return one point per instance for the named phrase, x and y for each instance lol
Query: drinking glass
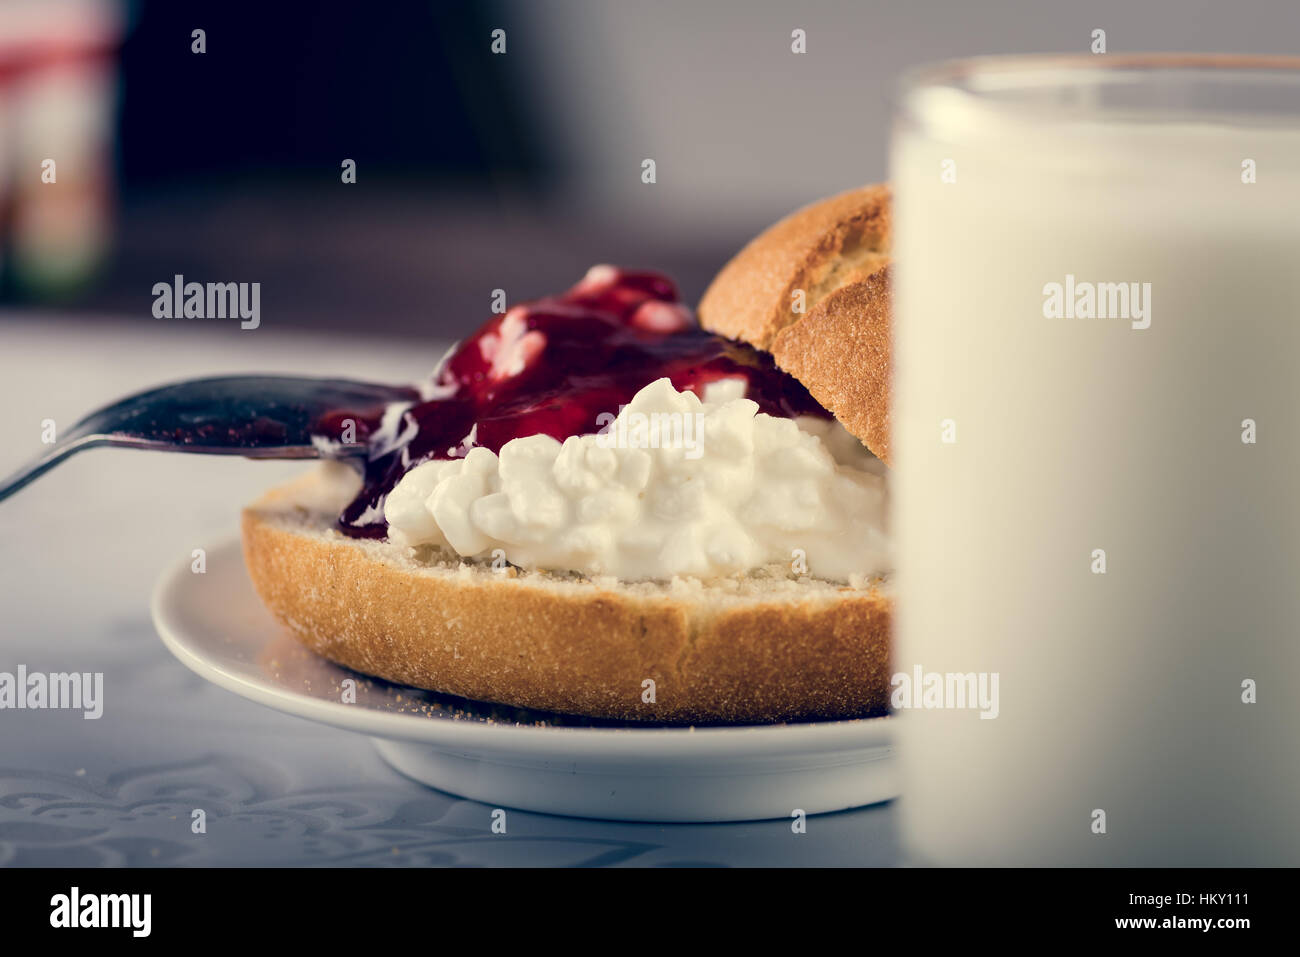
(1097, 435)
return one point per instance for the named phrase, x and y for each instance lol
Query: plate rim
(809, 738)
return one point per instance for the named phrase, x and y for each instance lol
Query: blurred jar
(57, 100)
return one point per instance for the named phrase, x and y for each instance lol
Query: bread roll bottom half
(762, 648)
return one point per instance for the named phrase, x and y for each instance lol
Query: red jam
(552, 367)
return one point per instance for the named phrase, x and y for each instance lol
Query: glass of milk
(1097, 435)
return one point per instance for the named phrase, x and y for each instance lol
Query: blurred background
(475, 170)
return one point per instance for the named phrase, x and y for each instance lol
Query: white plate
(215, 624)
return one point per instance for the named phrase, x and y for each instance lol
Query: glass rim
(976, 82)
(948, 72)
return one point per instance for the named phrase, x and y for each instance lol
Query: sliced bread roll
(814, 290)
(762, 648)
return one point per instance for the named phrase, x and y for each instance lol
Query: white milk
(1119, 692)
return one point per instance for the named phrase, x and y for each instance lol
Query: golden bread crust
(841, 351)
(813, 250)
(839, 346)
(572, 646)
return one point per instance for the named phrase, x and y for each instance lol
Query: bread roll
(814, 291)
(761, 649)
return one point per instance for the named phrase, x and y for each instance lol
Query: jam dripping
(552, 367)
